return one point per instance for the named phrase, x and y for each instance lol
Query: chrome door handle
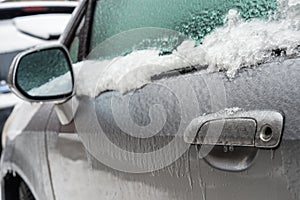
(262, 129)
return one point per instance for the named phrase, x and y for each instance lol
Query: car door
(143, 129)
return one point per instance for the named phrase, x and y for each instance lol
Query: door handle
(258, 128)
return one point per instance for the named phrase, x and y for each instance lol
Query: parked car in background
(24, 25)
(159, 99)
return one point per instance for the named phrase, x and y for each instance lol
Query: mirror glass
(45, 73)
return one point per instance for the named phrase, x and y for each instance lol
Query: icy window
(193, 19)
(133, 41)
(75, 44)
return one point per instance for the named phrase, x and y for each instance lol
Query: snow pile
(243, 44)
(42, 26)
(125, 73)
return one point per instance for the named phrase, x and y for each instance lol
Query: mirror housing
(42, 74)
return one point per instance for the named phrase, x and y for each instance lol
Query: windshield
(172, 21)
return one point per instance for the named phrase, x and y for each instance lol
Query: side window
(129, 25)
(75, 44)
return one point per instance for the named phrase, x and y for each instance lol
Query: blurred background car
(24, 25)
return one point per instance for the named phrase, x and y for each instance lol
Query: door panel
(87, 165)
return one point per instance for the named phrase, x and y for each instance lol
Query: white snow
(243, 44)
(231, 111)
(125, 73)
(57, 86)
(42, 26)
(238, 44)
(13, 40)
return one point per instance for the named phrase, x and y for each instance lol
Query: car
(24, 25)
(159, 100)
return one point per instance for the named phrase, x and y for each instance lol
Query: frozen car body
(182, 180)
(55, 163)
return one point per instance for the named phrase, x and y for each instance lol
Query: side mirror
(42, 74)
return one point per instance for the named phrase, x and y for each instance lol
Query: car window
(75, 44)
(191, 19)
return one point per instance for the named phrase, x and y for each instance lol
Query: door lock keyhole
(266, 133)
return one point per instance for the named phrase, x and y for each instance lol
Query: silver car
(159, 100)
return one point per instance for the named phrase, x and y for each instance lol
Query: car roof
(44, 26)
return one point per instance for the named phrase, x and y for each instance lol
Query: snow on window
(239, 43)
(193, 18)
(57, 86)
